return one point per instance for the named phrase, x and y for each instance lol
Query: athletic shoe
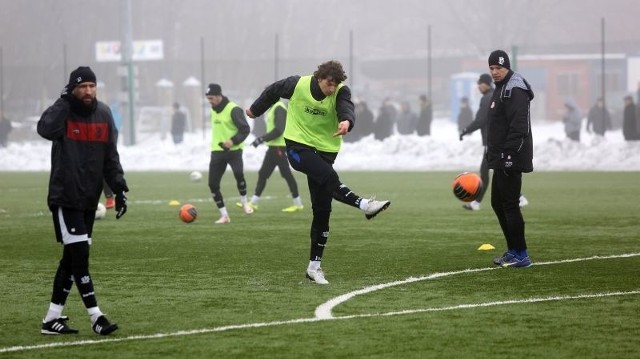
(223, 220)
(316, 276)
(514, 262)
(374, 207)
(254, 207)
(472, 206)
(103, 327)
(110, 203)
(57, 326)
(523, 201)
(293, 208)
(505, 257)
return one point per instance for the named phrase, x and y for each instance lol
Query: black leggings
(217, 167)
(276, 156)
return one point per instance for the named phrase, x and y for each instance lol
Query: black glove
(507, 160)
(463, 133)
(221, 144)
(121, 204)
(66, 92)
(257, 142)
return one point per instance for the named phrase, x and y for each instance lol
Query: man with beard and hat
(83, 154)
(509, 154)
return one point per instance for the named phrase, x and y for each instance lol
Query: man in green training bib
(320, 113)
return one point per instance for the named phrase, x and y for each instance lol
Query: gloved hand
(121, 204)
(257, 142)
(463, 133)
(507, 160)
(66, 92)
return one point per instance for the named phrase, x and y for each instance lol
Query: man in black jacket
(480, 122)
(509, 154)
(83, 154)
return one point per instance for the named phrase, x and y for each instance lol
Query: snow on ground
(441, 151)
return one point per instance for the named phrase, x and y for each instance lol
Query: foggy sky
(36, 33)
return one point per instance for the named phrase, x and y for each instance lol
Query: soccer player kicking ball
(320, 113)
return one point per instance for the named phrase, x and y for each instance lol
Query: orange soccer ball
(467, 186)
(188, 213)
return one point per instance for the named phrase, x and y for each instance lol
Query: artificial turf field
(201, 290)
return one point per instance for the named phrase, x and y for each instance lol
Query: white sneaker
(316, 276)
(523, 201)
(223, 220)
(247, 208)
(374, 207)
(472, 206)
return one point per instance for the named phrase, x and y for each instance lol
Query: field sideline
(193, 290)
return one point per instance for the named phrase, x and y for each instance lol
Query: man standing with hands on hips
(509, 154)
(83, 154)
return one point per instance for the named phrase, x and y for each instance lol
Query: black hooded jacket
(509, 124)
(83, 153)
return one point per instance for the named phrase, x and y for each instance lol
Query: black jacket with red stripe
(83, 153)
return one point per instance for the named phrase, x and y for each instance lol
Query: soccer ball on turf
(467, 186)
(195, 176)
(188, 213)
(101, 211)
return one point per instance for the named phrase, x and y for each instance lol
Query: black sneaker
(57, 326)
(103, 327)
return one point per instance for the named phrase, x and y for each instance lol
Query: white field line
(316, 319)
(324, 310)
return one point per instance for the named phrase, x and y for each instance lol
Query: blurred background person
(465, 116)
(385, 120)
(425, 118)
(630, 123)
(599, 118)
(407, 120)
(364, 127)
(5, 128)
(178, 124)
(572, 120)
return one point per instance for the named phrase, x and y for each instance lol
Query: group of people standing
(599, 120)
(389, 120)
(320, 112)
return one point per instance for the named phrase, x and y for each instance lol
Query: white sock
(297, 201)
(223, 212)
(314, 265)
(94, 313)
(55, 311)
(255, 199)
(364, 203)
(243, 200)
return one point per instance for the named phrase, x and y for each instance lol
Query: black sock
(345, 195)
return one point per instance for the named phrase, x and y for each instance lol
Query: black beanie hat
(80, 75)
(485, 79)
(500, 58)
(214, 90)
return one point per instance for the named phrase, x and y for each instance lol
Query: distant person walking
(509, 154)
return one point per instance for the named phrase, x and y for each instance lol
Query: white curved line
(324, 310)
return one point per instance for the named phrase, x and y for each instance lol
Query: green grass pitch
(193, 290)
